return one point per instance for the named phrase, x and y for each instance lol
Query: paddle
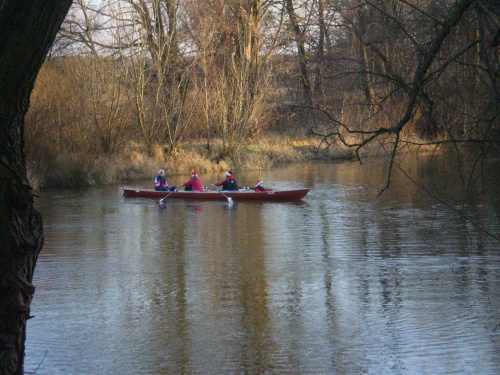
(229, 199)
(168, 195)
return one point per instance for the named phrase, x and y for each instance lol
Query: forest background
(134, 86)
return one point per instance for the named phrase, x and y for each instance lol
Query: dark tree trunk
(299, 39)
(27, 30)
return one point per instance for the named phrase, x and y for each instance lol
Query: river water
(344, 282)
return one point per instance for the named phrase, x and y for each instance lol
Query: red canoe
(241, 195)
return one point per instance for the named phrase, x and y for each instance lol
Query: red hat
(259, 182)
(194, 174)
(229, 173)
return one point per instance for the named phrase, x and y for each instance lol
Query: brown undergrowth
(132, 163)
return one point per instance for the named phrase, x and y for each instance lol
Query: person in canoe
(194, 184)
(229, 183)
(161, 183)
(260, 186)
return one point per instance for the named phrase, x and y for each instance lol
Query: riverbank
(131, 163)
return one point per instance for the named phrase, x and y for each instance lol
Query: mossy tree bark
(27, 30)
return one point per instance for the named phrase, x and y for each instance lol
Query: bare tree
(312, 27)
(164, 70)
(101, 82)
(420, 84)
(299, 35)
(233, 64)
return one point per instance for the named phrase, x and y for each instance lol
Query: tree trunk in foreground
(27, 30)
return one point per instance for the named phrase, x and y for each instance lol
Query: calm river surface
(340, 283)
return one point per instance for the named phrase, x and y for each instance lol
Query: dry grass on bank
(85, 169)
(67, 170)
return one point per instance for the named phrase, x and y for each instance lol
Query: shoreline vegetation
(132, 163)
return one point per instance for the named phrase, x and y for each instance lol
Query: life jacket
(160, 182)
(230, 184)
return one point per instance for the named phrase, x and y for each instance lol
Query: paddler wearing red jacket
(194, 184)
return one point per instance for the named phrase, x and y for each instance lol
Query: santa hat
(229, 173)
(259, 182)
(194, 174)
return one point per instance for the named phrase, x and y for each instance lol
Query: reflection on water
(342, 282)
